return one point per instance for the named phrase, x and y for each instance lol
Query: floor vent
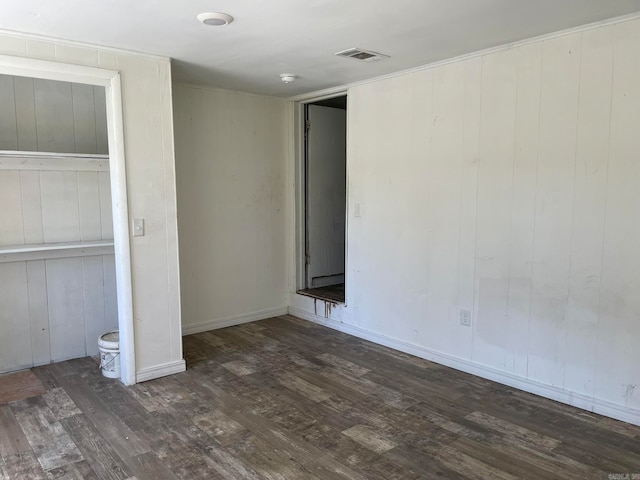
(362, 55)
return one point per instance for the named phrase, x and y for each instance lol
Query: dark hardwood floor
(287, 399)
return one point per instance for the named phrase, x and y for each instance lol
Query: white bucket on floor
(109, 346)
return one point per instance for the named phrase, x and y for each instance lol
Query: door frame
(300, 146)
(110, 80)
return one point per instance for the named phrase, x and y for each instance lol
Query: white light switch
(356, 210)
(138, 227)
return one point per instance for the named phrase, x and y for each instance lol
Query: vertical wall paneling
(397, 169)
(31, 207)
(93, 302)
(106, 217)
(495, 177)
(38, 312)
(418, 190)
(8, 129)
(89, 206)
(25, 114)
(54, 116)
(15, 349)
(102, 141)
(51, 116)
(360, 196)
(589, 200)
(523, 202)
(152, 202)
(60, 209)
(84, 118)
(619, 328)
(468, 195)
(11, 226)
(70, 300)
(559, 96)
(66, 308)
(443, 203)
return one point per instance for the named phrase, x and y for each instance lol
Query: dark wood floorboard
(287, 399)
(19, 385)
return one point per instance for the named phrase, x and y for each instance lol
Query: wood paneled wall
(55, 309)
(54, 206)
(506, 184)
(54, 301)
(49, 116)
(150, 171)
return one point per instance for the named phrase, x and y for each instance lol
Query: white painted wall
(508, 184)
(231, 164)
(41, 115)
(148, 131)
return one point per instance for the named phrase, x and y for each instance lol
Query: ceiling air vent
(364, 55)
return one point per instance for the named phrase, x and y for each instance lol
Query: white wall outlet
(465, 317)
(138, 227)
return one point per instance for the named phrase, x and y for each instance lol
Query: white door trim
(110, 79)
(298, 149)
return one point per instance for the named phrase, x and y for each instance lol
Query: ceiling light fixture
(215, 19)
(288, 77)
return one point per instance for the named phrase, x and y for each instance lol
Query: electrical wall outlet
(465, 317)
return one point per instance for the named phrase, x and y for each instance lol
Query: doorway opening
(325, 171)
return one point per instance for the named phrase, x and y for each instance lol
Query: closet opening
(64, 240)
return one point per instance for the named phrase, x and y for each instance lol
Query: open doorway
(325, 155)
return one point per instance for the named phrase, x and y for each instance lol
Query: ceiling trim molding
(51, 70)
(333, 91)
(75, 43)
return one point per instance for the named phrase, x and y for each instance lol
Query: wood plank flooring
(19, 385)
(287, 399)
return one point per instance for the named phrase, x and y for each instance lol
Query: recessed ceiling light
(215, 19)
(288, 77)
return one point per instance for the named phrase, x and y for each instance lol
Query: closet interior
(57, 267)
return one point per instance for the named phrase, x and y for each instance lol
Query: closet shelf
(44, 251)
(17, 160)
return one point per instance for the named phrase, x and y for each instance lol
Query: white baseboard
(602, 407)
(158, 371)
(233, 320)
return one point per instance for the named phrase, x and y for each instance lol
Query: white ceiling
(269, 37)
